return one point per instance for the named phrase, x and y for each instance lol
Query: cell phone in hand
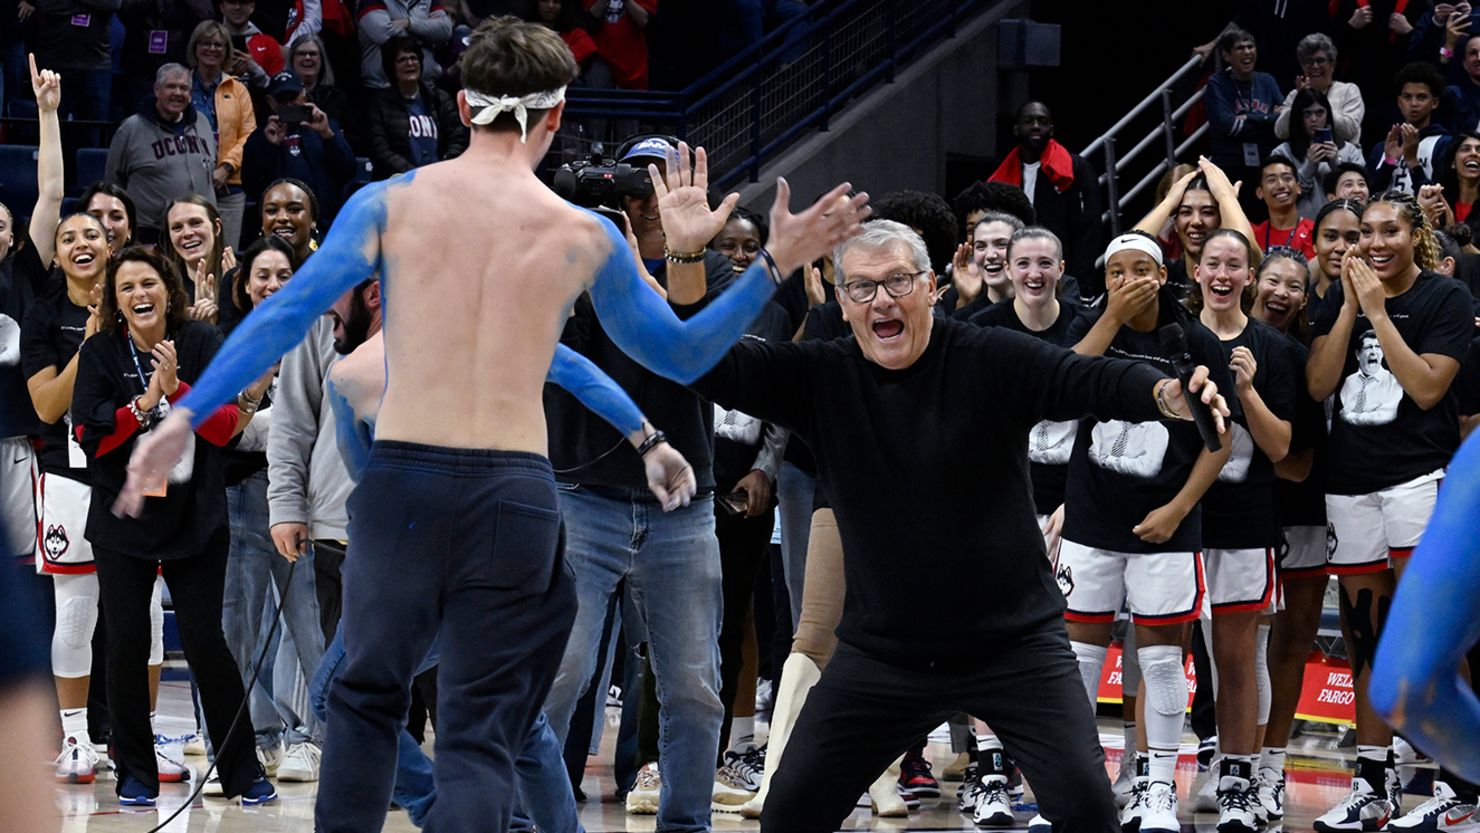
(618, 218)
(1322, 136)
(734, 503)
(295, 114)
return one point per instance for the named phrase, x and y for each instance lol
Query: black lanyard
(137, 366)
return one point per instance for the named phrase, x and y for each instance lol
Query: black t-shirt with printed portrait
(1380, 437)
(1049, 443)
(50, 336)
(1238, 511)
(1120, 471)
(1304, 503)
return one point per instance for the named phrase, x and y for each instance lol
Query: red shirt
(1299, 238)
(580, 43)
(623, 44)
(1462, 211)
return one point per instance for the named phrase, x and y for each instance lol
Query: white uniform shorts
(1364, 533)
(1304, 552)
(1163, 588)
(18, 496)
(1241, 581)
(61, 546)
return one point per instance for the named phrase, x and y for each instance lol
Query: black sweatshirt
(928, 472)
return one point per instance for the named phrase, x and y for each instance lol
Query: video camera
(599, 180)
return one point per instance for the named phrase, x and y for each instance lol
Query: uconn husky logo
(55, 542)
(1065, 577)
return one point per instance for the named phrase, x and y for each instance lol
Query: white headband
(495, 105)
(1139, 242)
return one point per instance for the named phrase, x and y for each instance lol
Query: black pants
(328, 559)
(864, 712)
(197, 584)
(464, 547)
(743, 544)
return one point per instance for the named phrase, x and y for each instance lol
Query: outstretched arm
(350, 254)
(1417, 687)
(647, 330)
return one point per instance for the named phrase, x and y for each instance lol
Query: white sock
(74, 725)
(1166, 706)
(1091, 660)
(1272, 757)
(1261, 673)
(742, 733)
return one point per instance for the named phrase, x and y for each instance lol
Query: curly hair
(1426, 254)
(928, 214)
(174, 311)
(993, 196)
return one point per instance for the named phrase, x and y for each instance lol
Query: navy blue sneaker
(260, 792)
(133, 793)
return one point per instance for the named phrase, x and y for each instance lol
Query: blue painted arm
(350, 254)
(1416, 686)
(594, 389)
(351, 434)
(646, 329)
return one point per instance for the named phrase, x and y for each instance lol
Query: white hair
(884, 234)
(164, 72)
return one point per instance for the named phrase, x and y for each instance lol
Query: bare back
(479, 270)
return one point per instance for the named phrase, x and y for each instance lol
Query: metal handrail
(1192, 63)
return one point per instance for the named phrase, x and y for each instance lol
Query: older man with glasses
(920, 428)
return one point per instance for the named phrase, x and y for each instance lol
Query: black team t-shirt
(1122, 470)
(50, 337)
(927, 469)
(1050, 442)
(1238, 511)
(1304, 503)
(1380, 437)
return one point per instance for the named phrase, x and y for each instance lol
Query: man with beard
(1064, 187)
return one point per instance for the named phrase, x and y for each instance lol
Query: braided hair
(1426, 254)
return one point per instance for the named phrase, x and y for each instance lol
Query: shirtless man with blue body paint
(455, 521)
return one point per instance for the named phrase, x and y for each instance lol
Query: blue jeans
(795, 491)
(672, 569)
(253, 570)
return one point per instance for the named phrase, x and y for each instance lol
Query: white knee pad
(156, 624)
(1261, 672)
(1166, 682)
(77, 617)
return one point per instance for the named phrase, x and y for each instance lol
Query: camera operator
(299, 141)
(673, 573)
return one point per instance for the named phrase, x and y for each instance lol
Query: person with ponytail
(1281, 294)
(1388, 344)
(1338, 230)
(1240, 532)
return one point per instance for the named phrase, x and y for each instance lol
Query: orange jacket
(235, 121)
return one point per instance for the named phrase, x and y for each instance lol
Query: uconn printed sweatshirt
(156, 161)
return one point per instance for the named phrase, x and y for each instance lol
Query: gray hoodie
(306, 479)
(157, 162)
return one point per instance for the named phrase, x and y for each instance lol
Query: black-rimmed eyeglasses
(897, 285)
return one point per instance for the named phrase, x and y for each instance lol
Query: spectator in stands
(1407, 158)
(300, 141)
(256, 56)
(197, 251)
(621, 39)
(564, 17)
(114, 208)
(1464, 96)
(163, 151)
(381, 20)
(1461, 181)
(1347, 181)
(290, 210)
(1317, 56)
(980, 274)
(308, 58)
(1199, 202)
(411, 123)
(1314, 148)
(1064, 188)
(1279, 188)
(1242, 105)
(1439, 37)
(227, 104)
(72, 39)
(1375, 37)
(155, 34)
(183, 531)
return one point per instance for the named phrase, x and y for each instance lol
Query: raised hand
(1367, 287)
(166, 367)
(1130, 298)
(1218, 183)
(1244, 367)
(966, 275)
(47, 86)
(683, 201)
(798, 239)
(815, 286)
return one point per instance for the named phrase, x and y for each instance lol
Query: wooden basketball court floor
(1319, 779)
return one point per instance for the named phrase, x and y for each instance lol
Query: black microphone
(1174, 342)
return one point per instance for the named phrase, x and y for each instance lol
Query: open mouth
(143, 309)
(1035, 284)
(285, 231)
(888, 329)
(1279, 308)
(1196, 236)
(191, 245)
(1472, 166)
(1281, 195)
(1380, 261)
(1221, 290)
(83, 259)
